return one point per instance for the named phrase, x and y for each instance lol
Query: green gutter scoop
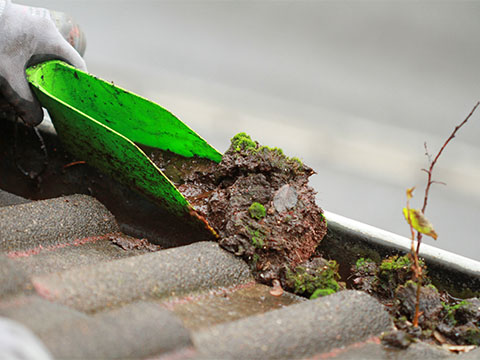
(100, 123)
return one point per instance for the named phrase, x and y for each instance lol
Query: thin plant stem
(432, 165)
(417, 298)
(417, 270)
(419, 241)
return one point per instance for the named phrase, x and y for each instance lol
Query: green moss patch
(243, 142)
(315, 280)
(257, 211)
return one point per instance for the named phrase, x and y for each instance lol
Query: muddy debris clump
(259, 202)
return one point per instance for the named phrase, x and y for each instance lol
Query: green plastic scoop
(99, 122)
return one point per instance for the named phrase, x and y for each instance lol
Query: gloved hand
(28, 36)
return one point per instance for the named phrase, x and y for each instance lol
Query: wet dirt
(259, 202)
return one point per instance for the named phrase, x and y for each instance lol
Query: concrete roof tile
(75, 253)
(199, 311)
(170, 272)
(134, 331)
(8, 199)
(12, 277)
(472, 355)
(52, 222)
(38, 314)
(297, 331)
(372, 349)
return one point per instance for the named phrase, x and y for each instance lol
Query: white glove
(19, 343)
(28, 36)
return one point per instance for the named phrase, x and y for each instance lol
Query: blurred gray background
(354, 88)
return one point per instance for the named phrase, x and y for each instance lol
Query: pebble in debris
(285, 198)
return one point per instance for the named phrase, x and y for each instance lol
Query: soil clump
(259, 202)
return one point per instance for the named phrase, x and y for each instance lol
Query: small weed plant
(417, 220)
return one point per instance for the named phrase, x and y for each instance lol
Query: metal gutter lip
(385, 239)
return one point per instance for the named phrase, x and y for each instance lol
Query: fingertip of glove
(31, 114)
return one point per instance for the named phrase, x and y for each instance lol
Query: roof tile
(74, 253)
(12, 277)
(52, 222)
(134, 331)
(38, 314)
(8, 199)
(297, 331)
(170, 272)
(372, 349)
(207, 309)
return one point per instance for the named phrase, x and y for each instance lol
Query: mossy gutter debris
(444, 319)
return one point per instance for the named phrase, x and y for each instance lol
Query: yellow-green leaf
(419, 222)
